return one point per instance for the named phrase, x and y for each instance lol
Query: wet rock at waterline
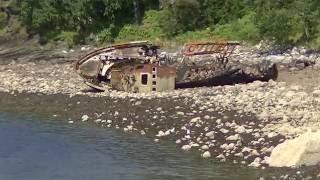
(303, 150)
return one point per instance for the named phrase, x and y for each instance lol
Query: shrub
(69, 37)
(194, 36)
(3, 20)
(105, 36)
(242, 29)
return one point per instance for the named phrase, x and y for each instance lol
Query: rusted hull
(198, 64)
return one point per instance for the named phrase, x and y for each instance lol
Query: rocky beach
(240, 124)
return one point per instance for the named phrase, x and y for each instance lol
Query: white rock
(206, 154)
(137, 103)
(142, 132)
(186, 147)
(70, 122)
(272, 134)
(240, 129)
(85, 118)
(130, 128)
(230, 146)
(194, 145)
(180, 113)
(221, 156)
(160, 134)
(224, 131)
(194, 120)
(109, 121)
(205, 147)
(254, 164)
(98, 120)
(233, 138)
(210, 134)
(303, 150)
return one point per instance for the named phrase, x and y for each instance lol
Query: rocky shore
(241, 124)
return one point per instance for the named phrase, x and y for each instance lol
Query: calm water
(33, 148)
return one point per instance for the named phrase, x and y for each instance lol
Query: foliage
(241, 29)
(3, 20)
(291, 22)
(70, 38)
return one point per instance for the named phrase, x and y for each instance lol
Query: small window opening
(154, 89)
(144, 79)
(154, 76)
(154, 82)
(154, 69)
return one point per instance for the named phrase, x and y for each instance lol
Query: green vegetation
(286, 23)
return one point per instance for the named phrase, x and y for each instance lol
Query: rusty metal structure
(197, 64)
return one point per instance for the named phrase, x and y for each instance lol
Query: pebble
(206, 154)
(194, 120)
(186, 147)
(205, 147)
(85, 118)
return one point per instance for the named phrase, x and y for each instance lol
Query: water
(33, 148)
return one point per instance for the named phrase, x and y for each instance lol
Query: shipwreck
(140, 66)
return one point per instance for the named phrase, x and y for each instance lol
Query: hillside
(285, 23)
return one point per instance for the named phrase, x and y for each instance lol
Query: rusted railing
(224, 49)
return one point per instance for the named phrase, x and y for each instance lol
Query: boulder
(303, 150)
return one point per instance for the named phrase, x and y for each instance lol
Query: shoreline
(240, 124)
(73, 109)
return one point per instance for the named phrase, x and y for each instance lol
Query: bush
(151, 24)
(194, 36)
(69, 37)
(3, 20)
(105, 36)
(242, 29)
(149, 30)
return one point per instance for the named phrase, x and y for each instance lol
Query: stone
(130, 128)
(221, 156)
(224, 131)
(160, 134)
(85, 118)
(186, 147)
(142, 132)
(303, 150)
(109, 121)
(195, 120)
(210, 134)
(240, 130)
(205, 147)
(137, 103)
(180, 113)
(233, 137)
(206, 154)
